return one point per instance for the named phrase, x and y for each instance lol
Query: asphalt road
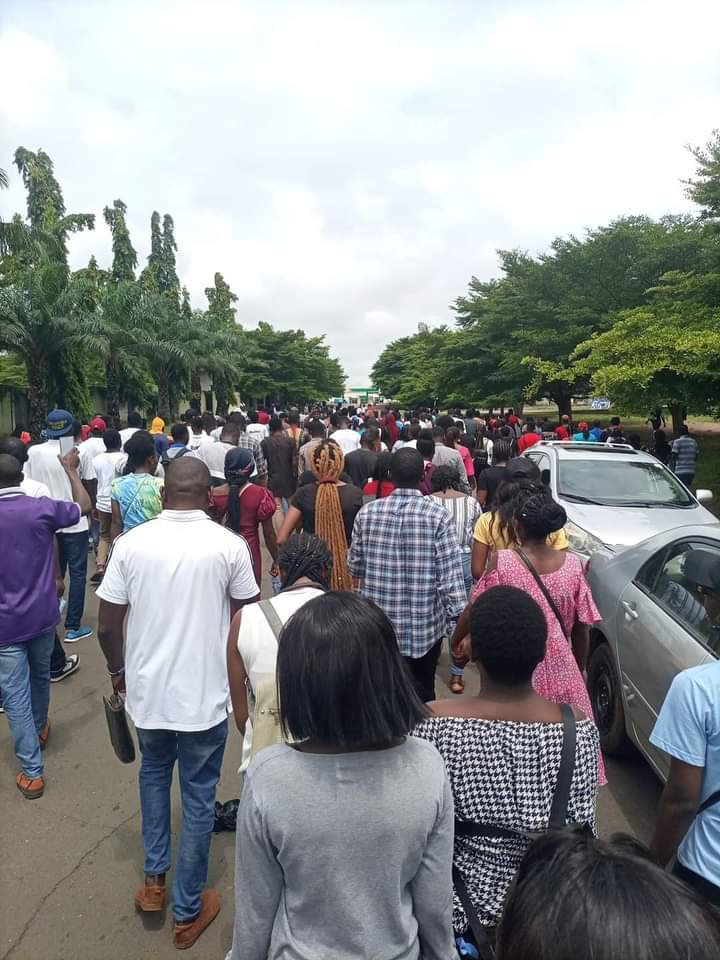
(70, 862)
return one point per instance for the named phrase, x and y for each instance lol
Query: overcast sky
(349, 166)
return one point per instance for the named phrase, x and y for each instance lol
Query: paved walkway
(72, 860)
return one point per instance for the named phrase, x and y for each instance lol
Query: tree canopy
(138, 337)
(580, 318)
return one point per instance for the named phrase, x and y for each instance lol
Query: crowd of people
(375, 820)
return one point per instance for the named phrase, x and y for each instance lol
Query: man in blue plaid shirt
(405, 554)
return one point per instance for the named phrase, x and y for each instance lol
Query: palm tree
(43, 314)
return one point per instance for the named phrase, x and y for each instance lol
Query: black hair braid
(305, 555)
(541, 516)
(511, 497)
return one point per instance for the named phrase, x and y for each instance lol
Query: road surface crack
(81, 861)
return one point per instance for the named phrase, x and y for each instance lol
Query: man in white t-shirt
(104, 466)
(256, 429)
(175, 672)
(347, 439)
(88, 450)
(43, 466)
(134, 424)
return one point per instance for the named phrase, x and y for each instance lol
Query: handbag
(557, 819)
(117, 721)
(545, 592)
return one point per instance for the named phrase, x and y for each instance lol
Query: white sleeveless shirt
(257, 646)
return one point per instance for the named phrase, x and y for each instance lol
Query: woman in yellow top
(496, 531)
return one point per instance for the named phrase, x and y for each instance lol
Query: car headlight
(581, 541)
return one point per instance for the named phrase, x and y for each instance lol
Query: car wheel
(606, 700)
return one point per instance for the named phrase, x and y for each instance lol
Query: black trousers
(57, 660)
(423, 671)
(704, 887)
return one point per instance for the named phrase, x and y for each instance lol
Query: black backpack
(165, 460)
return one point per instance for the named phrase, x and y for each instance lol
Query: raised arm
(70, 463)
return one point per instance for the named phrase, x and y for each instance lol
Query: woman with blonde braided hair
(326, 507)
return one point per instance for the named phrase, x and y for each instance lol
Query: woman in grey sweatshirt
(345, 839)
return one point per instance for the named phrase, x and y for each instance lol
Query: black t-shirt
(490, 480)
(351, 499)
(279, 452)
(359, 465)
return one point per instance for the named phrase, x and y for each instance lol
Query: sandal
(457, 684)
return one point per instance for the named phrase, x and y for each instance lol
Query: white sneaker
(72, 663)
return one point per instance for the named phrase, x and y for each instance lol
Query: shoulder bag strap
(710, 802)
(482, 940)
(271, 616)
(561, 798)
(544, 590)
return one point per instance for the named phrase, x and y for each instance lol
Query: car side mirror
(704, 496)
(545, 477)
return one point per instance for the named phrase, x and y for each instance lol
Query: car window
(621, 483)
(685, 580)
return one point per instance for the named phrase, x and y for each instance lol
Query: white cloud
(348, 167)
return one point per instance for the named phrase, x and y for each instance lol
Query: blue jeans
(199, 756)
(25, 685)
(456, 671)
(74, 555)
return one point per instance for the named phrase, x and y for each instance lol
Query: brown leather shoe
(185, 934)
(30, 787)
(150, 898)
(44, 735)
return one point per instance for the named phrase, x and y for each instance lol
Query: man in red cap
(88, 450)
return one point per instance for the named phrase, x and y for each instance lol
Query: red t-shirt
(528, 440)
(370, 489)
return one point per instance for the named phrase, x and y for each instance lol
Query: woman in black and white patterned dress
(502, 750)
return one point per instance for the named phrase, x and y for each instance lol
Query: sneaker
(72, 636)
(72, 663)
(185, 933)
(2, 705)
(97, 577)
(30, 787)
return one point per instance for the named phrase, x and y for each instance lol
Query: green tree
(704, 189)
(124, 255)
(42, 311)
(665, 353)
(221, 324)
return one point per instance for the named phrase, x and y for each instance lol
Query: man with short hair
(104, 467)
(213, 454)
(29, 610)
(134, 421)
(445, 456)
(255, 429)
(316, 429)
(685, 452)
(88, 450)
(347, 439)
(179, 446)
(359, 464)
(198, 435)
(169, 658)
(280, 454)
(43, 465)
(404, 555)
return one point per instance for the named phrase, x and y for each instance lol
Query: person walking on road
(29, 610)
(281, 457)
(166, 650)
(135, 496)
(355, 803)
(684, 455)
(44, 466)
(405, 556)
(104, 468)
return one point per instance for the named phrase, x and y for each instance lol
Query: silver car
(660, 604)
(653, 555)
